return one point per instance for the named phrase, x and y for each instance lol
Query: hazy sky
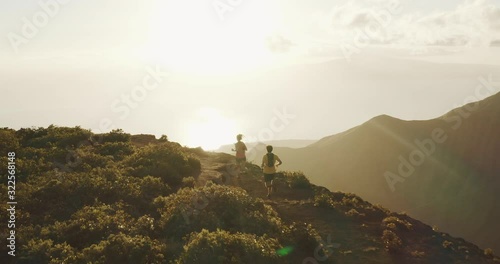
(232, 65)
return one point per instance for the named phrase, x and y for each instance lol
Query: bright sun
(189, 36)
(210, 130)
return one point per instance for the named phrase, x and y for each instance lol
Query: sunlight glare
(196, 40)
(210, 130)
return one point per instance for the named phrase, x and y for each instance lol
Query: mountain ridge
(360, 158)
(318, 203)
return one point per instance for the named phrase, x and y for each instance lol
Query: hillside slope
(351, 230)
(444, 171)
(117, 198)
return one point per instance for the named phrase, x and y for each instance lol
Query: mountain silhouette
(351, 225)
(444, 171)
(297, 143)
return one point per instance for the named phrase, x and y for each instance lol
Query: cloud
(371, 19)
(278, 44)
(359, 14)
(349, 15)
(495, 43)
(472, 23)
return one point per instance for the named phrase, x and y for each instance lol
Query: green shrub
(122, 248)
(8, 142)
(197, 151)
(145, 226)
(115, 136)
(228, 208)
(45, 251)
(167, 161)
(163, 138)
(42, 196)
(224, 247)
(391, 241)
(447, 244)
(350, 201)
(61, 137)
(194, 166)
(302, 237)
(90, 225)
(152, 187)
(296, 180)
(33, 164)
(84, 160)
(26, 135)
(118, 150)
(189, 182)
(391, 226)
(489, 253)
(402, 224)
(52, 154)
(323, 200)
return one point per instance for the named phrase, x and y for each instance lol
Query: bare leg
(269, 188)
(243, 167)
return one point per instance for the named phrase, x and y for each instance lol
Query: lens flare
(284, 251)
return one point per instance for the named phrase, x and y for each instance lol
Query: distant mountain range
(293, 143)
(444, 171)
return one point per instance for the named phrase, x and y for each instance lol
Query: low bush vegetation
(489, 253)
(228, 208)
(109, 198)
(91, 198)
(391, 241)
(393, 222)
(226, 247)
(296, 180)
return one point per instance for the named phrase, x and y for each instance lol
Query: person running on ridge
(269, 169)
(241, 158)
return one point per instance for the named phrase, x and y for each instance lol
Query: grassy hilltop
(118, 198)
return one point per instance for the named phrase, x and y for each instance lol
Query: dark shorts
(268, 177)
(244, 159)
